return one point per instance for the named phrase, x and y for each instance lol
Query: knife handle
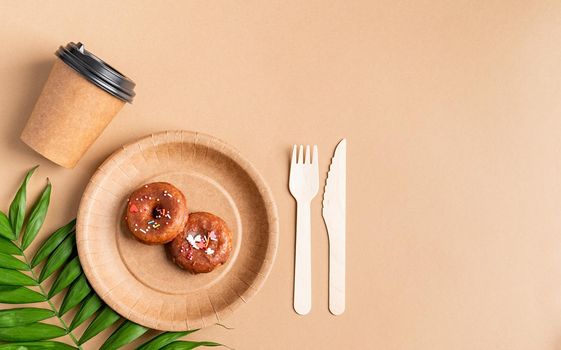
(303, 261)
(337, 275)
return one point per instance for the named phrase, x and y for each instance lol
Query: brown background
(452, 112)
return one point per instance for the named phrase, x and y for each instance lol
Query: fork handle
(303, 261)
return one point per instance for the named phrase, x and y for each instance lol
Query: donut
(204, 244)
(156, 213)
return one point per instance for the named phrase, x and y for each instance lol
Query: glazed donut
(156, 213)
(204, 244)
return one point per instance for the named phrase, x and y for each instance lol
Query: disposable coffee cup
(80, 98)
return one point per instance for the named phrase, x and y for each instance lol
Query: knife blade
(334, 215)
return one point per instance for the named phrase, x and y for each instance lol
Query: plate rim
(231, 152)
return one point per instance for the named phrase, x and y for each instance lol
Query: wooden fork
(303, 184)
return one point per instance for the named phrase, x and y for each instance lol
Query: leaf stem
(51, 305)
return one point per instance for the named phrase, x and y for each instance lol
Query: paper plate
(139, 281)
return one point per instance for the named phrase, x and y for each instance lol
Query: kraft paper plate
(139, 281)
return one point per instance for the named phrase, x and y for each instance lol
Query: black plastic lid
(97, 71)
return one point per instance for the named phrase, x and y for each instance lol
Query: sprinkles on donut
(156, 213)
(204, 244)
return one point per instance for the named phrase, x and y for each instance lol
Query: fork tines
(298, 155)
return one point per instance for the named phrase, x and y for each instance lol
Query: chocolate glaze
(156, 213)
(213, 248)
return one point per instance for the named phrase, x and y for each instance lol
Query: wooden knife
(334, 215)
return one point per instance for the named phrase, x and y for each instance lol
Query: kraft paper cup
(81, 96)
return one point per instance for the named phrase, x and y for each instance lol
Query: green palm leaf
(8, 247)
(17, 208)
(22, 316)
(105, 319)
(15, 278)
(20, 328)
(36, 218)
(125, 334)
(19, 295)
(70, 272)
(88, 308)
(59, 257)
(9, 262)
(31, 332)
(52, 243)
(163, 339)
(78, 292)
(6, 227)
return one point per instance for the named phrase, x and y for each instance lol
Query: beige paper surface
(451, 110)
